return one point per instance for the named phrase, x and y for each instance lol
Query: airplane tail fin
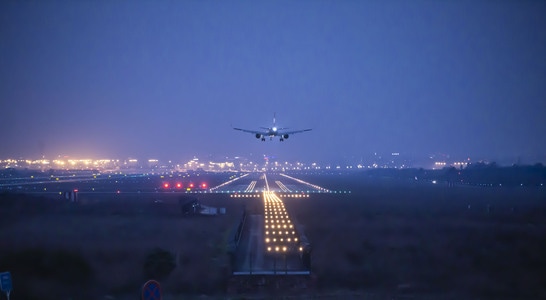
(275, 122)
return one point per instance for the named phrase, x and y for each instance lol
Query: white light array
(244, 196)
(279, 231)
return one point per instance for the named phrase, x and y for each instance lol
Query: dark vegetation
(111, 244)
(159, 264)
(414, 238)
(391, 236)
(482, 174)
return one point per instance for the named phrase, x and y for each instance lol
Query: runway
(270, 243)
(274, 182)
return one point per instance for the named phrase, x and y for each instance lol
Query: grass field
(408, 239)
(385, 238)
(109, 238)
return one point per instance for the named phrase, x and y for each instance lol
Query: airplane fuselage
(272, 132)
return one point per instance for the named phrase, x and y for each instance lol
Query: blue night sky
(168, 79)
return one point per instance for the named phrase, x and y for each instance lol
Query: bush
(159, 264)
(64, 266)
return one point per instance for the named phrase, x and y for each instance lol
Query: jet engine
(258, 136)
(285, 136)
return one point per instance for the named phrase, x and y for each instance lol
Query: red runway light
(178, 185)
(166, 185)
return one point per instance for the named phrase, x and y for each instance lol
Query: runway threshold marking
(251, 186)
(282, 187)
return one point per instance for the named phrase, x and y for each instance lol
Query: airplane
(272, 132)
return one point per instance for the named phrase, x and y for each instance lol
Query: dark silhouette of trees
(480, 173)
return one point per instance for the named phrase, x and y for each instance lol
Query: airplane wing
(264, 133)
(293, 131)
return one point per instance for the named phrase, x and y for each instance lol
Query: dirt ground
(384, 240)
